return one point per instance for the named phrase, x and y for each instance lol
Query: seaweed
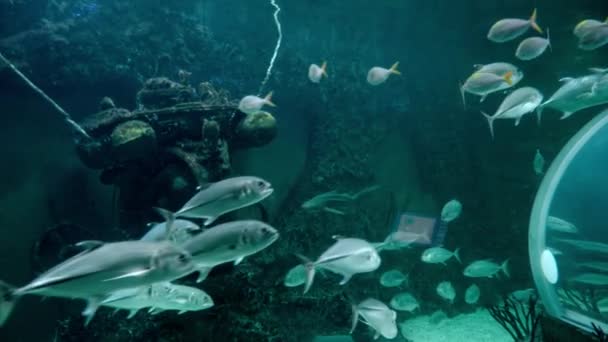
(521, 320)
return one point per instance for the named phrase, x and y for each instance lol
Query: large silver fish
(346, 257)
(230, 194)
(378, 316)
(228, 242)
(517, 104)
(579, 93)
(159, 297)
(101, 269)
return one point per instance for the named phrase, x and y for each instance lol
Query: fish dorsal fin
(477, 66)
(90, 244)
(566, 79)
(339, 237)
(203, 186)
(355, 318)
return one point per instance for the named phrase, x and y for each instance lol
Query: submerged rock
(256, 129)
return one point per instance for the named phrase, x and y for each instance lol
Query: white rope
(68, 119)
(276, 49)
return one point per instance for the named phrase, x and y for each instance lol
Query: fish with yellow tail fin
(378, 75)
(252, 104)
(586, 25)
(315, 72)
(485, 83)
(505, 30)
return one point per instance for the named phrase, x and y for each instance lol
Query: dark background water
(411, 135)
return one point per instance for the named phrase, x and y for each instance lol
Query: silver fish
(585, 245)
(486, 268)
(585, 25)
(101, 269)
(451, 210)
(446, 291)
(252, 104)
(539, 163)
(439, 255)
(228, 242)
(484, 83)
(379, 75)
(505, 30)
(557, 224)
(181, 230)
(594, 38)
(404, 301)
(579, 93)
(532, 47)
(393, 278)
(595, 279)
(322, 201)
(296, 276)
(378, 316)
(346, 257)
(225, 196)
(471, 295)
(159, 297)
(315, 72)
(517, 104)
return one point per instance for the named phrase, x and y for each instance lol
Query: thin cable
(82, 134)
(276, 48)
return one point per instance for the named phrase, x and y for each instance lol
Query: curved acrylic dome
(568, 237)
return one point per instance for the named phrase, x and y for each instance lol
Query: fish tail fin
(355, 318)
(365, 191)
(324, 69)
(461, 88)
(394, 70)
(169, 218)
(268, 100)
(490, 123)
(310, 272)
(508, 77)
(505, 268)
(7, 301)
(457, 255)
(533, 22)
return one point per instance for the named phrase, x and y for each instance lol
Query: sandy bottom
(478, 326)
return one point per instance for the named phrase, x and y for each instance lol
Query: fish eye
(261, 184)
(183, 258)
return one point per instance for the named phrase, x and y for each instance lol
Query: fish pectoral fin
(209, 220)
(483, 98)
(517, 121)
(182, 311)
(90, 244)
(155, 311)
(91, 308)
(120, 295)
(203, 272)
(333, 211)
(355, 318)
(565, 115)
(586, 95)
(132, 313)
(345, 279)
(137, 273)
(238, 261)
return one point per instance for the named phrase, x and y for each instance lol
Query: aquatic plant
(519, 319)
